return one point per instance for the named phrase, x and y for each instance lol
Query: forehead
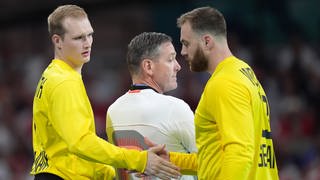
(167, 48)
(77, 25)
(186, 31)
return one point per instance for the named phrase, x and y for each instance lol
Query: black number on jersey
(40, 87)
(265, 100)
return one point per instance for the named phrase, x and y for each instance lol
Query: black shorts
(46, 176)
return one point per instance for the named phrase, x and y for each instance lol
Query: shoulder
(55, 78)
(226, 87)
(233, 72)
(56, 73)
(178, 106)
(175, 101)
(119, 102)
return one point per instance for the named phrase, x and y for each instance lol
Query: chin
(85, 60)
(173, 87)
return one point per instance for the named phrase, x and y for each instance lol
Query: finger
(167, 164)
(169, 169)
(159, 167)
(159, 149)
(163, 175)
(140, 175)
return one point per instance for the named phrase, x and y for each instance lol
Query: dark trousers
(46, 176)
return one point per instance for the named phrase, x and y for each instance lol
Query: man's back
(162, 119)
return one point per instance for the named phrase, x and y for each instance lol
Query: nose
(183, 51)
(87, 41)
(177, 66)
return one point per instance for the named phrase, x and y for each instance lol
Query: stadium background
(279, 39)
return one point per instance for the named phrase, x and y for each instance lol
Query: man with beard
(232, 124)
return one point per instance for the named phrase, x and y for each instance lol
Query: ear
(147, 66)
(56, 40)
(208, 41)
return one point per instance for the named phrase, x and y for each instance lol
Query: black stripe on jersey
(266, 134)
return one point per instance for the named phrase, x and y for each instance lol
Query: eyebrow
(183, 41)
(82, 35)
(173, 53)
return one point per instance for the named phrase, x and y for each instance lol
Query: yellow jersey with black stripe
(64, 138)
(233, 133)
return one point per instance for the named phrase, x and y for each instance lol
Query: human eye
(172, 57)
(90, 34)
(78, 37)
(172, 60)
(185, 43)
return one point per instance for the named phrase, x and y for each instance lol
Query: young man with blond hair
(65, 143)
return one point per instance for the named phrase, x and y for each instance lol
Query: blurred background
(279, 39)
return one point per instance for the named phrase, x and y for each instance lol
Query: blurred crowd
(288, 70)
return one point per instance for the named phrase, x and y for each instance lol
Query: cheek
(192, 52)
(170, 72)
(71, 47)
(163, 74)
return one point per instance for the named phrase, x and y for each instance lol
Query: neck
(74, 66)
(220, 54)
(149, 82)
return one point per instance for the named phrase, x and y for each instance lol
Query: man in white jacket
(163, 119)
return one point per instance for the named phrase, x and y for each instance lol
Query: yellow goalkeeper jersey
(64, 138)
(232, 124)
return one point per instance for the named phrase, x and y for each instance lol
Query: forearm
(186, 162)
(95, 149)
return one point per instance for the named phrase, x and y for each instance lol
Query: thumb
(160, 148)
(160, 151)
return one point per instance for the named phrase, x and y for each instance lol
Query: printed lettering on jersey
(40, 87)
(267, 156)
(265, 101)
(248, 72)
(40, 162)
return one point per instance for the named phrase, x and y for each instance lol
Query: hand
(159, 167)
(164, 154)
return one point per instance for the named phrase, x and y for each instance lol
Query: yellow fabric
(233, 132)
(64, 138)
(230, 119)
(186, 162)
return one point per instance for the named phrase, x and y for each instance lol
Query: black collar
(141, 86)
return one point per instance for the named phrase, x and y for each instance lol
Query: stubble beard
(199, 63)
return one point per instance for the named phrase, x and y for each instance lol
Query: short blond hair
(56, 18)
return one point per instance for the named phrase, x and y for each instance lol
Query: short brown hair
(205, 19)
(56, 18)
(144, 45)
